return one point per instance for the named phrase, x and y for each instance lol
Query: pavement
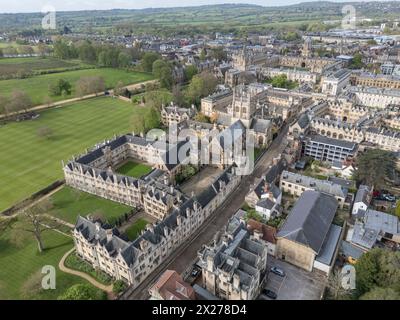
(297, 284)
(108, 289)
(186, 254)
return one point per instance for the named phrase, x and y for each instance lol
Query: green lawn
(134, 230)
(37, 87)
(133, 169)
(68, 204)
(29, 163)
(19, 264)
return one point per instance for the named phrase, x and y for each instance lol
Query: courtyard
(203, 179)
(134, 169)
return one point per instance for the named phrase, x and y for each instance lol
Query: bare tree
(33, 222)
(335, 285)
(90, 85)
(19, 101)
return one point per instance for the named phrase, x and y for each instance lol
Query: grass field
(37, 87)
(133, 169)
(69, 203)
(134, 230)
(13, 66)
(29, 163)
(18, 266)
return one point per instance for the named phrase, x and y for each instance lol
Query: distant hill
(226, 17)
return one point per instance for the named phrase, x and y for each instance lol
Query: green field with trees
(33, 160)
(21, 265)
(38, 90)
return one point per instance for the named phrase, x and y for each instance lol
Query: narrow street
(187, 252)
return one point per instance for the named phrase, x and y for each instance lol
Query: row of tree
(93, 53)
(18, 101)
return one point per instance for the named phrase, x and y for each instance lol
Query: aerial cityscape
(200, 151)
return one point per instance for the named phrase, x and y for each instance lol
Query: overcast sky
(71, 5)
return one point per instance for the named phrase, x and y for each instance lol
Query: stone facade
(133, 261)
(233, 267)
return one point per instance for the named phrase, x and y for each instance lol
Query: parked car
(270, 294)
(278, 271)
(195, 272)
(389, 197)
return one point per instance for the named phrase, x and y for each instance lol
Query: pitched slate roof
(310, 219)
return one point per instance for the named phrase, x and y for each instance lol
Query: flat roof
(326, 255)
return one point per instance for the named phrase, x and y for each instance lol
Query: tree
(201, 86)
(87, 52)
(124, 60)
(63, 50)
(45, 132)
(335, 285)
(381, 294)
(178, 96)
(3, 105)
(152, 119)
(378, 268)
(137, 124)
(374, 166)
(219, 54)
(356, 63)
(33, 222)
(148, 60)
(201, 117)
(166, 78)
(119, 88)
(155, 99)
(60, 87)
(19, 101)
(203, 54)
(190, 72)
(119, 286)
(90, 85)
(83, 292)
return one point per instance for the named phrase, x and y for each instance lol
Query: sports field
(38, 87)
(29, 162)
(133, 169)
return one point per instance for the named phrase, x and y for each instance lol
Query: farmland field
(37, 87)
(29, 162)
(10, 67)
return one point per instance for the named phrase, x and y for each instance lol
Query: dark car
(278, 271)
(195, 272)
(270, 294)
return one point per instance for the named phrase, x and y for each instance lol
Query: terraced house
(133, 261)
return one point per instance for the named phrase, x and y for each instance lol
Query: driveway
(298, 284)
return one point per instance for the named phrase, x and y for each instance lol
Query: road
(185, 255)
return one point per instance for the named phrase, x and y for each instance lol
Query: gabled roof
(309, 221)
